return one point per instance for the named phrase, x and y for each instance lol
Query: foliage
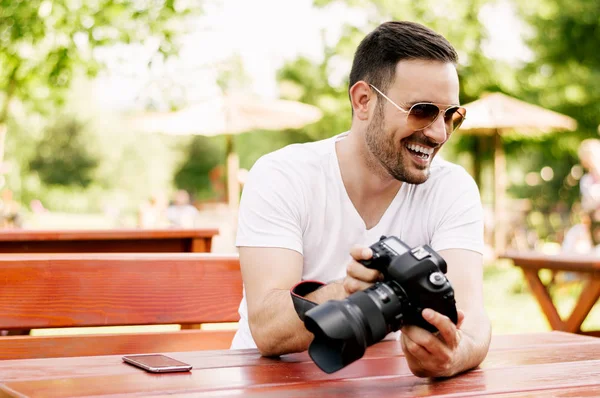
(45, 42)
(202, 155)
(564, 75)
(565, 72)
(314, 83)
(46, 45)
(64, 155)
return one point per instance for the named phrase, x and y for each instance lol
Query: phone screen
(156, 362)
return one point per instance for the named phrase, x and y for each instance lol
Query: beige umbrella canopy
(495, 114)
(227, 115)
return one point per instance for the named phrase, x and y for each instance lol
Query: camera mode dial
(437, 279)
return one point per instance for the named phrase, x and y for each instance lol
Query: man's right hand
(358, 277)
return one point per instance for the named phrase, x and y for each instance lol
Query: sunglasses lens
(422, 115)
(454, 118)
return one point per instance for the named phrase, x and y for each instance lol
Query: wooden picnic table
(532, 365)
(111, 240)
(586, 265)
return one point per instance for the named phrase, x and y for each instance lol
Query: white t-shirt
(294, 198)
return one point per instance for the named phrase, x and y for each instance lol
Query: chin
(415, 177)
(418, 180)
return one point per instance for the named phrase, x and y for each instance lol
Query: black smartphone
(157, 363)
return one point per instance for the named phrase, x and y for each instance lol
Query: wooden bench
(107, 241)
(586, 265)
(109, 289)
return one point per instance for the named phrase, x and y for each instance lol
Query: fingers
(359, 277)
(461, 318)
(361, 252)
(429, 342)
(447, 329)
(362, 273)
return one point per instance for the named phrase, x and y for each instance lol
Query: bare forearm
(276, 328)
(475, 341)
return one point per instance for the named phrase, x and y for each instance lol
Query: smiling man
(310, 211)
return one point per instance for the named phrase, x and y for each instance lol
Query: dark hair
(380, 51)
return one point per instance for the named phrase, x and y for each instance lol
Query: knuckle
(351, 285)
(350, 268)
(445, 357)
(373, 275)
(429, 339)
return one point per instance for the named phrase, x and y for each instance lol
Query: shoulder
(450, 178)
(295, 160)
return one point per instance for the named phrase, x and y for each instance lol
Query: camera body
(413, 279)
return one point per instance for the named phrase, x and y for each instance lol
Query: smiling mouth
(419, 151)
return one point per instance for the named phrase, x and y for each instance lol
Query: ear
(360, 96)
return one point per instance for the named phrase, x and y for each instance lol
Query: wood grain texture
(301, 363)
(570, 365)
(92, 290)
(114, 240)
(22, 347)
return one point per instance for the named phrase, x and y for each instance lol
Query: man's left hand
(433, 355)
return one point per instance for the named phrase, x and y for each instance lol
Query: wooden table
(587, 265)
(113, 240)
(532, 365)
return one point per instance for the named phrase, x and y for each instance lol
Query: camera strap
(301, 289)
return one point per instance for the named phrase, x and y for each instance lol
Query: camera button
(437, 278)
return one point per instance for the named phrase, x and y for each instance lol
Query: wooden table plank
(516, 364)
(389, 377)
(112, 240)
(32, 369)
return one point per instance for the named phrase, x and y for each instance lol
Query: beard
(396, 161)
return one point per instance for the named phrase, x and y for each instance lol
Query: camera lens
(344, 329)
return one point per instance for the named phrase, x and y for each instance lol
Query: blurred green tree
(63, 156)
(563, 75)
(202, 156)
(45, 43)
(318, 84)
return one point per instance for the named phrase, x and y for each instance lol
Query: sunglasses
(423, 114)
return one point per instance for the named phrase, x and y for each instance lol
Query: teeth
(419, 148)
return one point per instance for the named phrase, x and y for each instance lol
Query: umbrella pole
(233, 166)
(500, 227)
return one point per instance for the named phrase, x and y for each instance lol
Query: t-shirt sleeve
(270, 207)
(458, 214)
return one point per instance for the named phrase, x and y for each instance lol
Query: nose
(437, 130)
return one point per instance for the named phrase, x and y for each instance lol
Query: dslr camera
(413, 279)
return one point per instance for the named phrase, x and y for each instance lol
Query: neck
(363, 175)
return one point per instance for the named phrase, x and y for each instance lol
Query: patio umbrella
(227, 115)
(495, 114)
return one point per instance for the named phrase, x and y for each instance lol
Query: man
(307, 206)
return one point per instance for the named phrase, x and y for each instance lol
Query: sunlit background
(108, 108)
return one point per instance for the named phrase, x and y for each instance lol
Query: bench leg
(190, 326)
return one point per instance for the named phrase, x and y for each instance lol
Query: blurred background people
(152, 214)
(10, 211)
(589, 156)
(583, 236)
(181, 213)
